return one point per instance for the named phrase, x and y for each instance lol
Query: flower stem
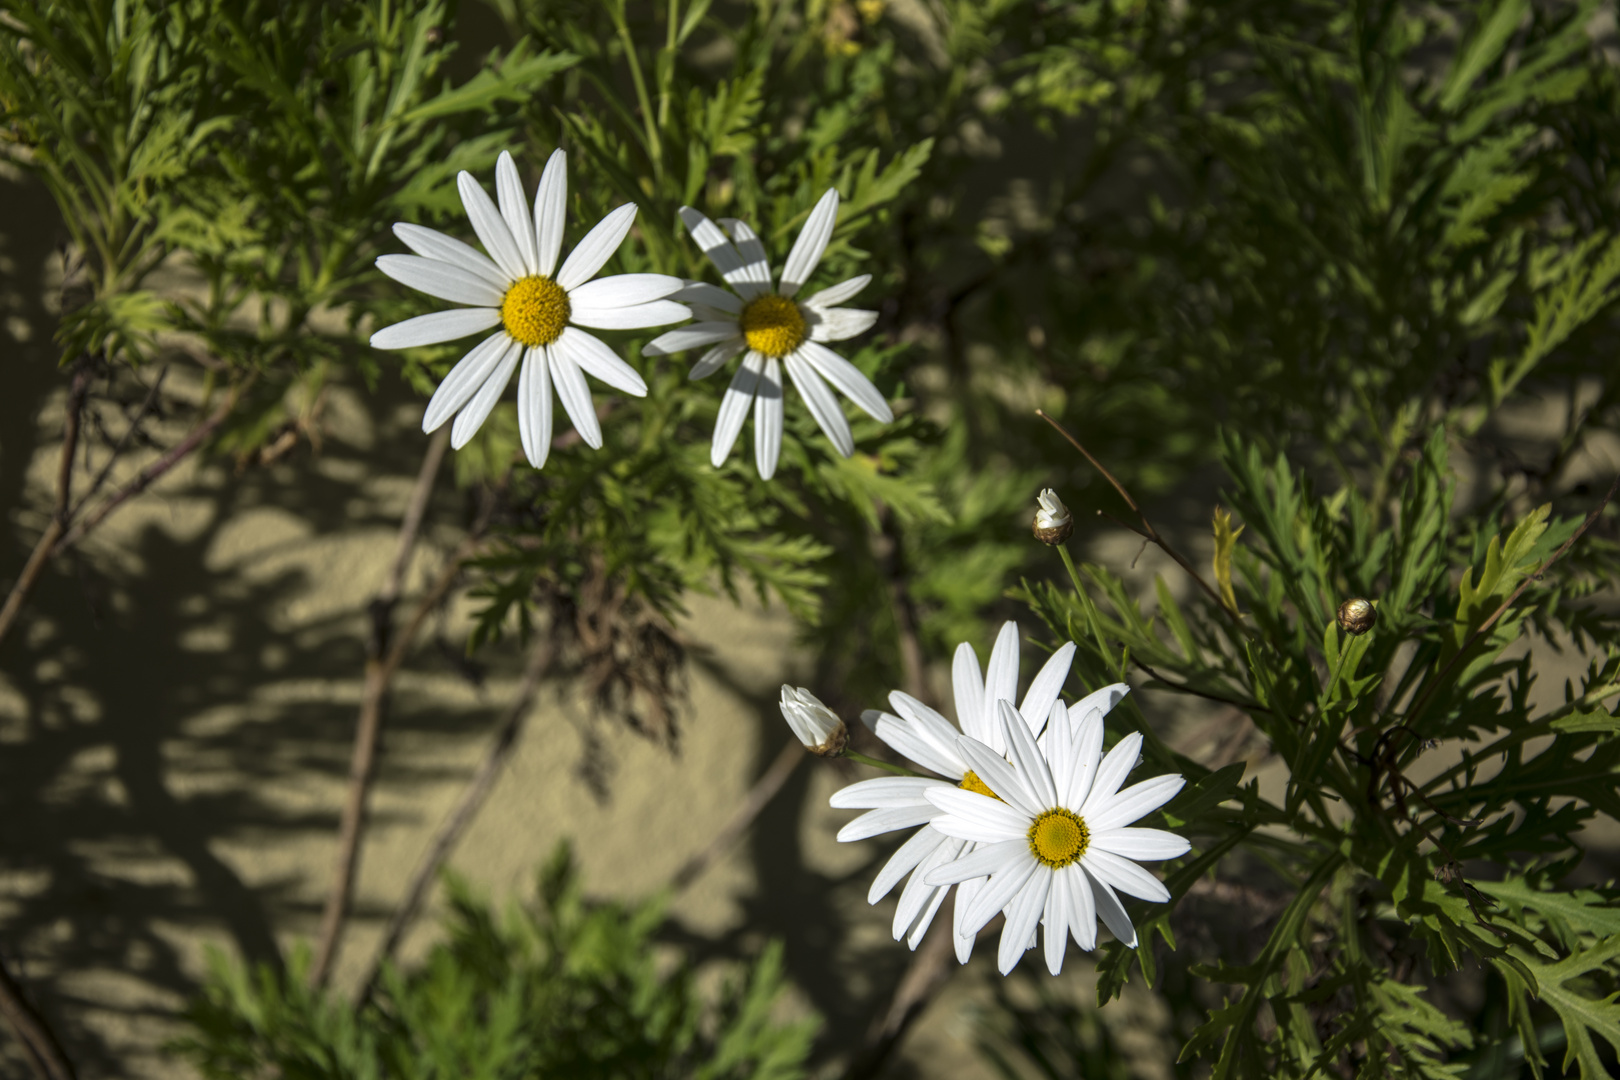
(898, 770)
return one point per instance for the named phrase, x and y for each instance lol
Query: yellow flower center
(971, 782)
(1058, 838)
(772, 325)
(535, 311)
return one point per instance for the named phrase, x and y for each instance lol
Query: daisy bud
(1357, 616)
(1053, 524)
(817, 726)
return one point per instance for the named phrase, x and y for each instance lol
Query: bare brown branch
(44, 1050)
(456, 823)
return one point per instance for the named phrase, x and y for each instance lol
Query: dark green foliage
(570, 988)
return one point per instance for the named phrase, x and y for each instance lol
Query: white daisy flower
(774, 331)
(929, 740)
(539, 313)
(1052, 838)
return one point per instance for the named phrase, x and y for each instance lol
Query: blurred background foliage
(1312, 254)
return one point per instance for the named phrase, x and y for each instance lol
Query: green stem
(898, 770)
(654, 147)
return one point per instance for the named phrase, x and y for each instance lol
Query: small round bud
(1357, 616)
(434, 35)
(1053, 523)
(817, 726)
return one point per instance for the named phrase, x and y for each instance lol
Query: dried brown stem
(930, 966)
(384, 653)
(144, 479)
(146, 408)
(44, 1051)
(759, 796)
(1147, 529)
(453, 826)
(50, 540)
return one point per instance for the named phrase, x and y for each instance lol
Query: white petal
(734, 407)
(971, 816)
(1140, 843)
(1102, 700)
(434, 328)
(1109, 909)
(1082, 906)
(925, 919)
(884, 791)
(768, 420)
(623, 290)
(1057, 922)
(534, 406)
(714, 245)
(849, 380)
(966, 893)
(464, 380)
(575, 396)
(935, 728)
(1026, 757)
(1023, 915)
(1000, 680)
(698, 292)
(490, 227)
(1124, 876)
(984, 860)
(440, 279)
(836, 294)
(923, 843)
(1001, 888)
(639, 317)
(515, 210)
(755, 273)
(476, 411)
(1057, 745)
(716, 357)
(837, 324)
(1000, 777)
(599, 360)
(1087, 755)
(1047, 686)
(823, 405)
(549, 202)
(812, 241)
(1111, 774)
(968, 685)
(889, 818)
(435, 245)
(912, 741)
(1134, 801)
(920, 899)
(690, 337)
(596, 249)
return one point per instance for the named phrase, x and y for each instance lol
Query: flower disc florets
(772, 325)
(535, 311)
(1058, 837)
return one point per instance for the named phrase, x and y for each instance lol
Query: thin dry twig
(145, 410)
(742, 819)
(1147, 530)
(44, 1050)
(384, 652)
(50, 540)
(930, 966)
(456, 823)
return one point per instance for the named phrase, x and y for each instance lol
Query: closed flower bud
(1357, 616)
(1053, 523)
(817, 726)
